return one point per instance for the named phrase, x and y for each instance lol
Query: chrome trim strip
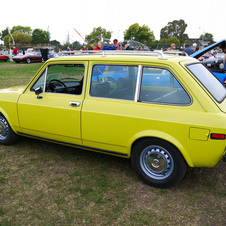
(75, 145)
(45, 81)
(138, 83)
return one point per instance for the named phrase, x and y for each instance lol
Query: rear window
(209, 81)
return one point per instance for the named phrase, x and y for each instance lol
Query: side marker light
(217, 136)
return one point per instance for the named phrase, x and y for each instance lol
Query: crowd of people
(125, 46)
(116, 46)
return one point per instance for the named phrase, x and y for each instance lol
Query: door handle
(74, 103)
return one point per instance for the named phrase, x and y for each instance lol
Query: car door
(119, 110)
(107, 109)
(55, 113)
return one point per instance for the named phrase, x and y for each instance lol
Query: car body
(215, 65)
(4, 57)
(165, 112)
(28, 57)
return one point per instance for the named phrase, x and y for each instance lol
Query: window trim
(46, 73)
(138, 83)
(175, 77)
(202, 84)
(113, 64)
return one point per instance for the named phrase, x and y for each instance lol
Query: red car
(4, 57)
(28, 57)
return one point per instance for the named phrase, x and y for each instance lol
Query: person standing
(115, 44)
(188, 49)
(126, 46)
(99, 46)
(173, 47)
(15, 51)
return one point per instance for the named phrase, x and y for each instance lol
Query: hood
(208, 48)
(16, 89)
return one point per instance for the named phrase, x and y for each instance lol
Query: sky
(60, 18)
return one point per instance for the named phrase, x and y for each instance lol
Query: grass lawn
(44, 183)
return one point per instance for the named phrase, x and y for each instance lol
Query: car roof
(127, 56)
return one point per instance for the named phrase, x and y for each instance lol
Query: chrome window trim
(109, 64)
(46, 72)
(175, 77)
(138, 83)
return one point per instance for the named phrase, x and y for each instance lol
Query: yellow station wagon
(165, 112)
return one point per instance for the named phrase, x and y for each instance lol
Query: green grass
(43, 183)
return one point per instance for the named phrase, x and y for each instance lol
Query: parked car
(4, 57)
(28, 57)
(165, 112)
(215, 65)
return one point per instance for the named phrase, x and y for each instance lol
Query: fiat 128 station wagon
(166, 113)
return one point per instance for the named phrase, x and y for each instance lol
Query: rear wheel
(158, 163)
(7, 59)
(7, 135)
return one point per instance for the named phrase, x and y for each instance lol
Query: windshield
(209, 81)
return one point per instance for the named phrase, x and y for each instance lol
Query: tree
(207, 37)
(55, 43)
(40, 36)
(167, 42)
(4, 33)
(21, 38)
(175, 28)
(21, 29)
(98, 34)
(141, 34)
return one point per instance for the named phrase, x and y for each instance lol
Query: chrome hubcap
(156, 162)
(4, 128)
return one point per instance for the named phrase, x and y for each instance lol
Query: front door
(55, 113)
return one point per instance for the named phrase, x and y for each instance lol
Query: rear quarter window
(209, 81)
(160, 86)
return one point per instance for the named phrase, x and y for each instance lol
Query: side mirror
(38, 91)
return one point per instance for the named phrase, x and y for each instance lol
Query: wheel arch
(158, 135)
(6, 116)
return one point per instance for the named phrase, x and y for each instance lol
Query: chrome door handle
(74, 103)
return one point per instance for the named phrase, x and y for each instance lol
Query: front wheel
(7, 135)
(158, 163)
(28, 60)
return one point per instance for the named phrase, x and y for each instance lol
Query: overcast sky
(61, 17)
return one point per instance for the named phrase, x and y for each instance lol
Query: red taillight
(218, 136)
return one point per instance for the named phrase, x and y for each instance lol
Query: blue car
(220, 76)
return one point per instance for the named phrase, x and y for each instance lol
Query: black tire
(158, 163)
(7, 135)
(7, 59)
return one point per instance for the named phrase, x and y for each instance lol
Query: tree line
(173, 32)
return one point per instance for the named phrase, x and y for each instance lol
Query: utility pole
(68, 39)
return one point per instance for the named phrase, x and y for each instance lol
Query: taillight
(217, 136)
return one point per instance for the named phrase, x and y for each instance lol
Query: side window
(160, 86)
(61, 78)
(114, 81)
